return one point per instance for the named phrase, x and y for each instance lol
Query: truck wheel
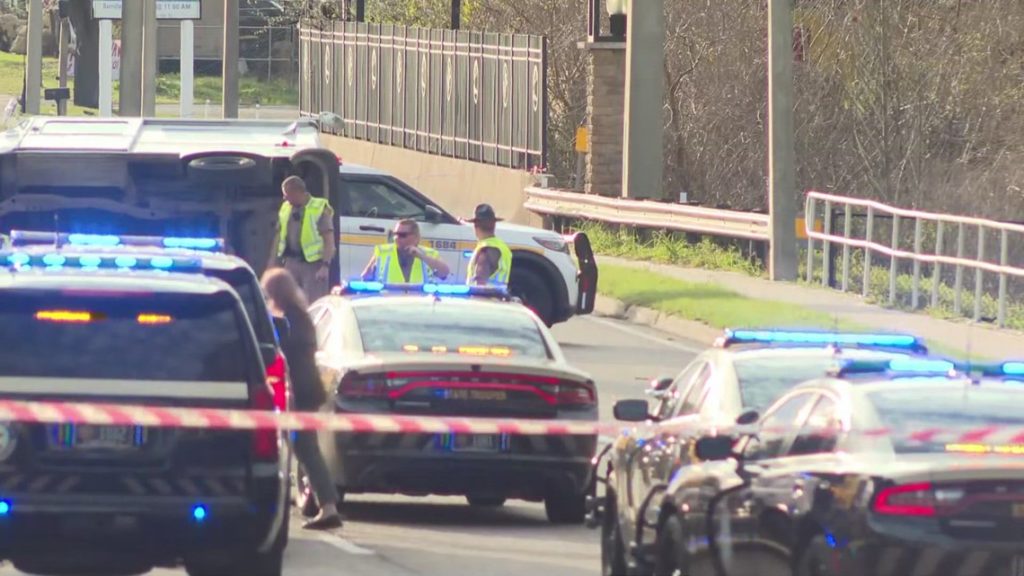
(530, 287)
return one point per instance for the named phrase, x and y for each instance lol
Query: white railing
(648, 214)
(932, 254)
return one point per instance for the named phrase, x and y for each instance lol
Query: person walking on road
(492, 260)
(285, 299)
(304, 242)
(404, 261)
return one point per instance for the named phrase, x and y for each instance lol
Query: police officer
(492, 260)
(304, 244)
(404, 261)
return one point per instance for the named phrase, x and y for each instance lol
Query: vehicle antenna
(56, 230)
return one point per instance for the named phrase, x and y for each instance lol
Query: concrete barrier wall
(457, 185)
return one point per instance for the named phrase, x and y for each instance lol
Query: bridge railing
(467, 95)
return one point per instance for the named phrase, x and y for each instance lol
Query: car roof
(360, 169)
(141, 281)
(208, 260)
(754, 353)
(478, 302)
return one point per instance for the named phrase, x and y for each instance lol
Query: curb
(689, 329)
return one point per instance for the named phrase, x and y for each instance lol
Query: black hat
(484, 213)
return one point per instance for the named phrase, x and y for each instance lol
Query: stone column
(606, 104)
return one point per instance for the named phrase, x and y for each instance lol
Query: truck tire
(529, 286)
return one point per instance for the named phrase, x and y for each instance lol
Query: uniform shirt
(292, 241)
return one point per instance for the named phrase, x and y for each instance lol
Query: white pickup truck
(175, 177)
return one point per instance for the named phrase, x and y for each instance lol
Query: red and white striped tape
(169, 417)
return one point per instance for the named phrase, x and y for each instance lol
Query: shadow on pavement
(411, 512)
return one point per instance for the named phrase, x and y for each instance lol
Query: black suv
(130, 498)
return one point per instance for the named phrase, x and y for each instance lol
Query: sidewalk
(989, 341)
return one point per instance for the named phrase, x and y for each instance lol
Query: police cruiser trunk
(130, 497)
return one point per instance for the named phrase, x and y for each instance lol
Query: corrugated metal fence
(470, 95)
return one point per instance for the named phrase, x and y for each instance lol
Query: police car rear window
(247, 287)
(947, 408)
(153, 337)
(763, 380)
(426, 328)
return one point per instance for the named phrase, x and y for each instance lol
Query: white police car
(222, 178)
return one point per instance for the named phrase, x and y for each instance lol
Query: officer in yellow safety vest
(491, 263)
(304, 243)
(404, 261)
(5, 241)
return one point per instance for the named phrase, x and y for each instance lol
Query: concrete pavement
(989, 341)
(401, 536)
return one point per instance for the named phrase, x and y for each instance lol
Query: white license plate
(475, 443)
(86, 437)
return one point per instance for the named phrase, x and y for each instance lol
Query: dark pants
(307, 451)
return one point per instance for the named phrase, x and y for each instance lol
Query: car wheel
(485, 501)
(613, 553)
(530, 287)
(669, 549)
(566, 507)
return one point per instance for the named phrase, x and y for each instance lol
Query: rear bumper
(530, 467)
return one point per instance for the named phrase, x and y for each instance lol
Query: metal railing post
(809, 224)
(1004, 254)
(847, 222)
(893, 262)
(959, 282)
(866, 289)
(826, 261)
(979, 274)
(937, 268)
(916, 287)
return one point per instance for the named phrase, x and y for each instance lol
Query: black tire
(670, 548)
(565, 507)
(486, 501)
(613, 552)
(530, 287)
(809, 563)
(252, 563)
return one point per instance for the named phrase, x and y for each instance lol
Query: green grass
(721, 308)
(667, 248)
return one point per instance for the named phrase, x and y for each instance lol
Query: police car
(123, 499)
(207, 252)
(222, 178)
(450, 350)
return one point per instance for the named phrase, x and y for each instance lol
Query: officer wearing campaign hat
(491, 263)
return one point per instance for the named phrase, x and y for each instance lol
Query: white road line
(343, 544)
(641, 334)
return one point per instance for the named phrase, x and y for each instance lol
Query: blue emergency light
(5, 507)
(374, 287)
(57, 260)
(798, 337)
(900, 367)
(26, 237)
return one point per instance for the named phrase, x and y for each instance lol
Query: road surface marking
(644, 335)
(343, 544)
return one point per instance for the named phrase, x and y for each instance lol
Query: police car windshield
(247, 287)
(151, 337)
(426, 327)
(763, 380)
(944, 407)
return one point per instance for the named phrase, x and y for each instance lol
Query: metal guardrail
(648, 214)
(932, 255)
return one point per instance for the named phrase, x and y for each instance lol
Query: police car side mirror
(269, 353)
(708, 448)
(282, 326)
(748, 417)
(631, 410)
(433, 213)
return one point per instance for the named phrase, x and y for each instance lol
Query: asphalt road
(399, 536)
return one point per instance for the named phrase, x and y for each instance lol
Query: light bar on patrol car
(56, 260)
(373, 287)
(809, 337)
(25, 237)
(900, 367)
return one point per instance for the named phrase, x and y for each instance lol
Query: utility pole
(643, 154)
(133, 19)
(63, 55)
(781, 152)
(229, 93)
(34, 57)
(149, 59)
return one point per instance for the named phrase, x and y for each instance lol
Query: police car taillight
(264, 442)
(355, 385)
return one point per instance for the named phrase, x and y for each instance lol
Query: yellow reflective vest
(389, 269)
(499, 276)
(309, 237)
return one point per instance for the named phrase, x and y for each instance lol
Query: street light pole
(149, 60)
(34, 57)
(229, 93)
(782, 263)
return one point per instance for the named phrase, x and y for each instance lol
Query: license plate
(86, 437)
(470, 442)
(484, 395)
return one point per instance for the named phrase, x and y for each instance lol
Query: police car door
(372, 207)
